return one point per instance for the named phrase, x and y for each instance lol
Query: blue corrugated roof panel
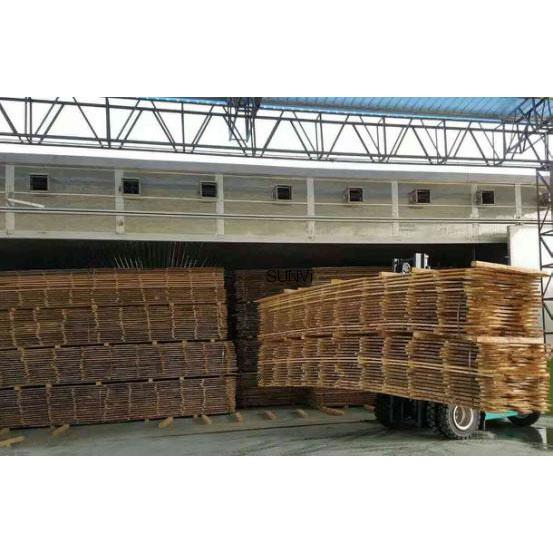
(471, 108)
(468, 107)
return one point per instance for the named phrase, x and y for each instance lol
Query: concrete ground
(356, 432)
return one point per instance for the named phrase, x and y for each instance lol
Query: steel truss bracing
(544, 194)
(242, 127)
(533, 121)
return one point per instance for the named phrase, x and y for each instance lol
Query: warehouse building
(283, 220)
(319, 216)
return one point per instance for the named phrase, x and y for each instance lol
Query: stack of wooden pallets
(109, 345)
(251, 285)
(332, 397)
(457, 336)
(248, 287)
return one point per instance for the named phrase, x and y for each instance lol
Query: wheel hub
(463, 417)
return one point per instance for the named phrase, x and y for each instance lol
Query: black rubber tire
(525, 420)
(382, 410)
(431, 416)
(450, 427)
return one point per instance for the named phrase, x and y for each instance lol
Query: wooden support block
(8, 442)
(269, 415)
(166, 422)
(301, 413)
(60, 430)
(238, 417)
(331, 411)
(205, 419)
(368, 407)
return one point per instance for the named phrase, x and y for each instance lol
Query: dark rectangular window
(208, 189)
(283, 192)
(355, 194)
(488, 197)
(131, 186)
(38, 183)
(423, 196)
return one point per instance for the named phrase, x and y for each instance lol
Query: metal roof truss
(250, 131)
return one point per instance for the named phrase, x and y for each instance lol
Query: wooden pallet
(114, 362)
(493, 377)
(52, 326)
(125, 401)
(466, 336)
(482, 300)
(110, 287)
(104, 345)
(254, 284)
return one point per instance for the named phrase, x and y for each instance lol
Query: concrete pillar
(518, 201)
(395, 207)
(119, 202)
(220, 205)
(310, 208)
(9, 186)
(475, 213)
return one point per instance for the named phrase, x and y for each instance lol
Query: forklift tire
(431, 416)
(456, 422)
(525, 420)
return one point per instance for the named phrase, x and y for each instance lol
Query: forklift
(453, 421)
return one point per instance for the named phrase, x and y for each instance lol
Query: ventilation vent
(419, 196)
(282, 192)
(131, 186)
(485, 197)
(208, 189)
(38, 183)
(354, 195)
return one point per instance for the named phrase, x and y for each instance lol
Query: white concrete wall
(170, 196)
(524, 247)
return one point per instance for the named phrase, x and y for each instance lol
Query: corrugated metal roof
(481, 108)
(471, 108)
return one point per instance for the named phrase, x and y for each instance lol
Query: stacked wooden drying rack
(109, 345)
(457, 336)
